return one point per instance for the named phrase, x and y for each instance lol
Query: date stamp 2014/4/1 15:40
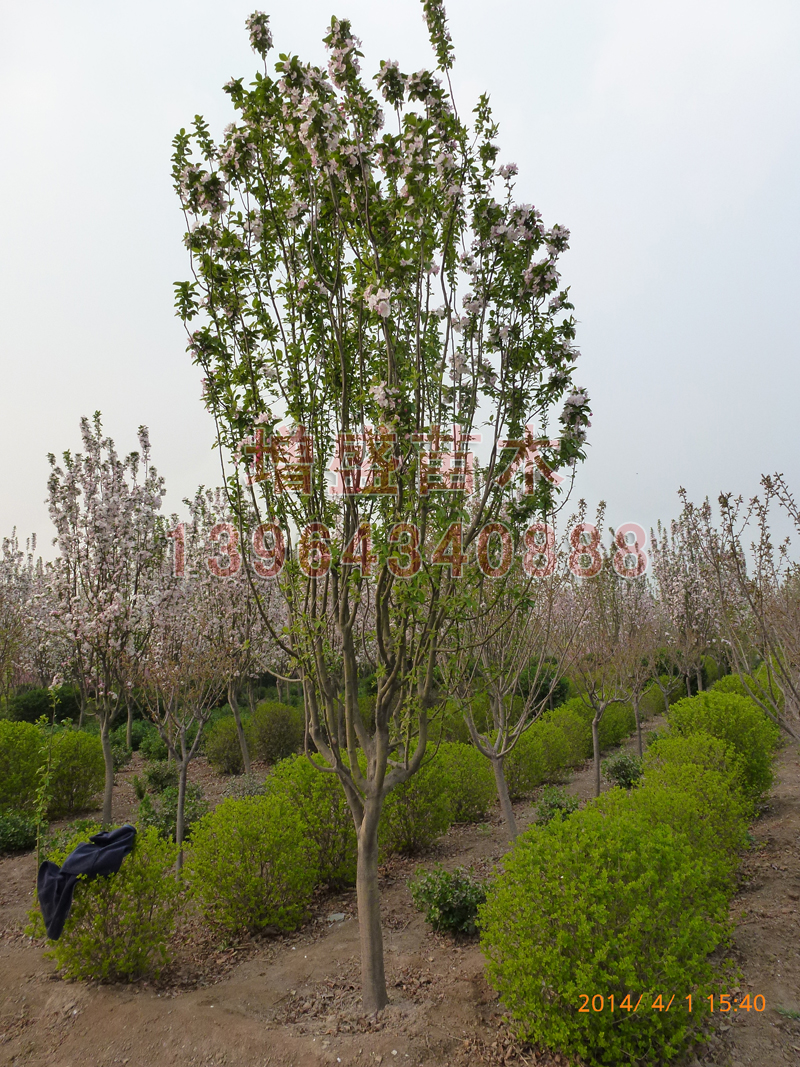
(722, 1002)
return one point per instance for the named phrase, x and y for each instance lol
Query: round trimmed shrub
(608, 903)
(318, 798)
(416, 812)
(624, 769)
(468, 779)
(77, 774)
(699, 804)
(450, 899)
(120, 924)
(251, 866)
(17, 831)
(699, 749)
(20, 759)
(541, 755)
(617, 723)
(276, 731)
(576, 730)
(738, 722)
(222, 747)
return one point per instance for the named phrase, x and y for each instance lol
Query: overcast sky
(663, 134)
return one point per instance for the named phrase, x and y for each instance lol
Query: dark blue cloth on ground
(101, 854)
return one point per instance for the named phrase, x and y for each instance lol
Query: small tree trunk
(82, 692)
(179, 818)
(108, 760)
(370, 933)
(596, 752)
(700, 679)
(505, 800)
(129, 727)
(638, 724)
(237, 718)
(251, 696)
(280, 691)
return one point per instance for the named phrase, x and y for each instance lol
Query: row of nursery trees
(371, 285)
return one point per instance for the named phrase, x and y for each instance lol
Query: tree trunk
(237, 718)
(280, 692)
(370, 933)
(638, 725)
(108, 760)
(179, 818)
(700, 679)
(596, 752)
(129, 727)
(505, 800)
(251, 697)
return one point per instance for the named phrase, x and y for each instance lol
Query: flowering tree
(759, 598)
(374, 296)
(183, 671)
(513, 644)
(246, 643)
(687, 596)
(17, 579)
(105, 510)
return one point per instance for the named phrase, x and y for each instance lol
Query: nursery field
(295, 999)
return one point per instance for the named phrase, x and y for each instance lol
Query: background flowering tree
(381, 295)
(105, 510)
(758, 597)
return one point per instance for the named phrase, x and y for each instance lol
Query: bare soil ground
(294, 1001)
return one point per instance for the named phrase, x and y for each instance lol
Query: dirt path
(293, 1001)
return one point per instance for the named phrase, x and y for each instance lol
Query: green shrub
(617, 723)
(319, 800)
(603, 903)
(121, 755)
(222, 747)
(20, 759)
(450, 899)
(698, 803)
(31, 704)
(120, 925)
(78, 772)
(699, 749)
(161, 812)
(160, 775)
(416, 812)
(576, 730)
(245, 785)
(17, 831)
(541, 755)
(152, 746)
(250, 865)
(554, 803)
(623, 770)
(139, 731)
(276, 731)
(736, 721)
(467, 777)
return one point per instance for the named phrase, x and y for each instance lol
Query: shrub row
(629, 897)
(77, 769)
(273, 732)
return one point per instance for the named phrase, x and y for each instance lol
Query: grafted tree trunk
(237, 718)
(638, 724)
(370, 933)
(183, 770)
(108, 760)
(596, 750)
(505, 800)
